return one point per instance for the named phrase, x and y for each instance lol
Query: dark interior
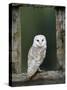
(38, 20)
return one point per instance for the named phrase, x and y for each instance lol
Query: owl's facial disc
(39, 41)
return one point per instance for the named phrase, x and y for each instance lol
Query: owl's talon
(39, 70)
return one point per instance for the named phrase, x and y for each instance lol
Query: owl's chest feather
(38, 51)
(37, 54)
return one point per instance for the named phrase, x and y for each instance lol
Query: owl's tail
(31, 71)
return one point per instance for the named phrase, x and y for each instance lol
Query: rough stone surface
(16, 41)
(60, 38)
(45, 77)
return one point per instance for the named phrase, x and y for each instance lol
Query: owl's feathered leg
(39, 70)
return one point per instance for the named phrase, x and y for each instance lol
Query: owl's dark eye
(37, 40)
(42, 40)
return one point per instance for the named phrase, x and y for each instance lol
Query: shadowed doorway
(38, 20)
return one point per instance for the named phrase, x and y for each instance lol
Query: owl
(36, 54)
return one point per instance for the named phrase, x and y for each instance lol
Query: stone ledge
(49, 75)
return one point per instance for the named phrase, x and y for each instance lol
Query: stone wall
(16, 41)
(60, 37)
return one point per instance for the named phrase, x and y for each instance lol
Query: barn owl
(36, 54)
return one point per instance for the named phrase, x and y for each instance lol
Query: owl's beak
(40, 43)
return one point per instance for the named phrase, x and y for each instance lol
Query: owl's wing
(32, 68)
(33, 64)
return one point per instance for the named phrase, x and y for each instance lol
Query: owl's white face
(39, 41)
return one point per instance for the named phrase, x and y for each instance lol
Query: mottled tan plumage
(36, 54)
